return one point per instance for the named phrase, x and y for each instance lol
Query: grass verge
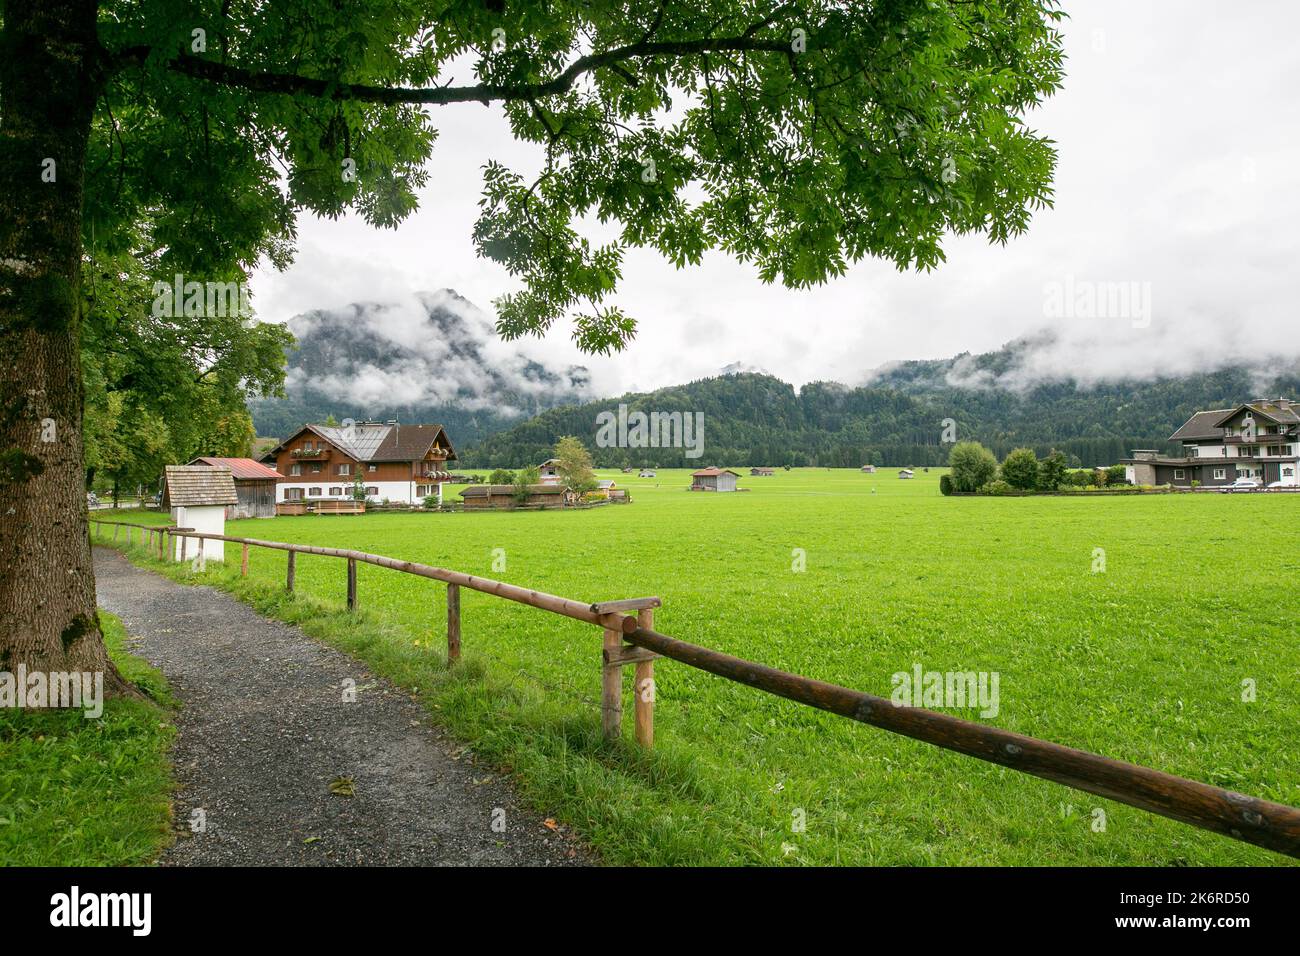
(89, 792)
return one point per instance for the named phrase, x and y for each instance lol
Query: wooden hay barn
(714, 479)
(503, 496)
(763, 472)
(254, 486)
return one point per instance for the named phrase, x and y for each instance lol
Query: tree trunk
(48, 87)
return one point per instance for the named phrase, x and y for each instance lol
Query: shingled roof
(1201, 426)
(373, 441)
(1282, 414)
(193, 486)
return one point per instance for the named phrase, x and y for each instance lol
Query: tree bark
(49, 58)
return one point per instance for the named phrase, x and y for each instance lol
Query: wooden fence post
(643, 688)
(202, 566)
(115, 527)
(185, 546)
(288, 578)
(611, 690)
(243, 562)
(352, 584)
(162, 546)
(453, 623)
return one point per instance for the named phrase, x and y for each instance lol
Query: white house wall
(210, 519)
(400, 492)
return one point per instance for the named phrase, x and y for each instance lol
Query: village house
(399, 463)
(255, 485)
(1258, 440)
(763, 472)
(714, 479)
(549, 471)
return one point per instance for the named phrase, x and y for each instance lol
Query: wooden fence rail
(630, 639)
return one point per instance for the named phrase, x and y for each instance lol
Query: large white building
(1259, 440)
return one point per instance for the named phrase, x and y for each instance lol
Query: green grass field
(1144, 661)
(97, 792)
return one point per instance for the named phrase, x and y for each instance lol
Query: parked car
(1242, 484)
(1281, 484)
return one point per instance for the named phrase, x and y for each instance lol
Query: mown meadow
(1127, 626)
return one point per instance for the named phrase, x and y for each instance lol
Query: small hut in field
(869, 469)
(714, 479)
(763, 472)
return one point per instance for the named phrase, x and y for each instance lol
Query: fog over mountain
(434, 357)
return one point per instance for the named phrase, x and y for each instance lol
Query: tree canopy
(798, 136)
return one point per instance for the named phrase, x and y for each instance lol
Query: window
(315, 469)
(313, 492)
(1220, 474)
(1178, 474)
(372, 467)
(1288, 472)
(295, 470)
(372, 490)
(336, 492)
(1192, 451)
(345, 469)
(293, 494)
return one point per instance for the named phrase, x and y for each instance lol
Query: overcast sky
(1179, 137)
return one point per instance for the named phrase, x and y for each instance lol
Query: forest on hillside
(902, 419)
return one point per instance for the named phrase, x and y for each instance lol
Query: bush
(996, 487)
(1116, 475)
(1020, 469)
(1051, 471)
(501, 477)
(973, 466)
(523, 478)
(945, 485)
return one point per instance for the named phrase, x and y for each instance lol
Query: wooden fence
(629, 639)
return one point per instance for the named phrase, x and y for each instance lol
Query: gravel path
(264, 733)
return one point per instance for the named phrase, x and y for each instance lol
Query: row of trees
(975, 468)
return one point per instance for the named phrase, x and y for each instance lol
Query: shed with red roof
(254, 486)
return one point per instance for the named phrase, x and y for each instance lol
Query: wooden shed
(714, 479)
(763, 472)
(254, 486)
(503, 496)
(197, 496)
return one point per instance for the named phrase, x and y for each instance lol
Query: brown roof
(375, 441)
(1202, 425)
(711, 472)
(1281, 414)
(243, 469)
(411, 443)
(197, 485)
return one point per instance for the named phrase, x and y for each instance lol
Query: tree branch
(291, 83)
